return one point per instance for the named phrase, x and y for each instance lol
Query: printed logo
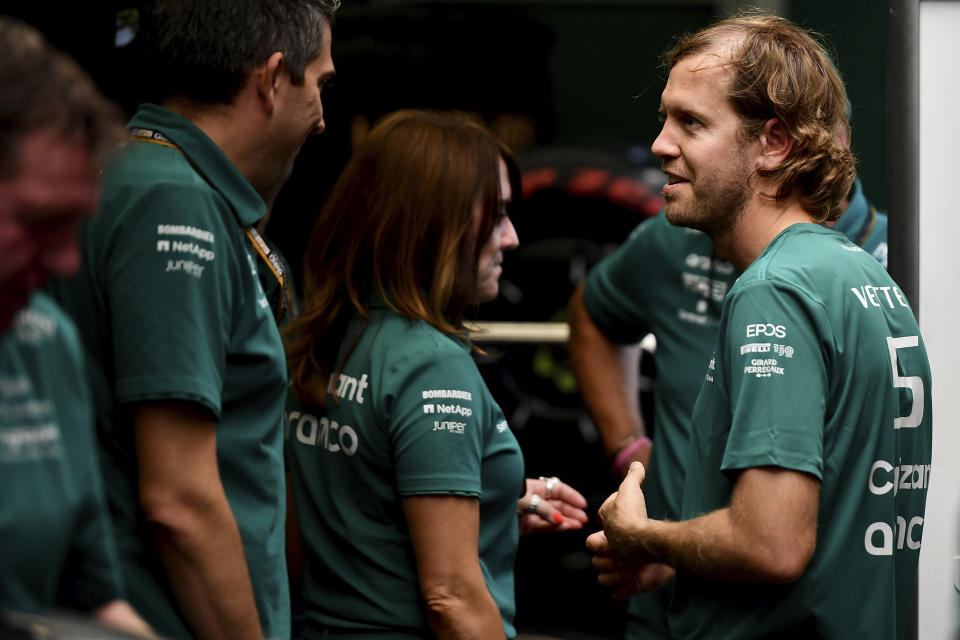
(502, 426)
(755, 347)
(350, 388)
(188, 267)
(766, 329)
(455, 394)
(870, 296)
(33, 327)
(184, 230)
(763, 367)
(30, 443)
(447, 425)
(428, 408)
(323, 433)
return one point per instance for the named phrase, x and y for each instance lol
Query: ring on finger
(550, 482)
(534, 503)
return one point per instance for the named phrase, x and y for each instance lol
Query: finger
(571, 511)
(597, 543)
(605, 564)
(615, 579)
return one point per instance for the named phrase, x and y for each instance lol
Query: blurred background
(573, 87)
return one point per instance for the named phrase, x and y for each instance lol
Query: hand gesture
(550, 505)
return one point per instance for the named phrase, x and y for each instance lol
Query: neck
(762, 220)
(227, 127)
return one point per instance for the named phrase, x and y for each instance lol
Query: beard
(717, 200)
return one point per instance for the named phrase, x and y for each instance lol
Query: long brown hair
(782, 71)
(398, 223)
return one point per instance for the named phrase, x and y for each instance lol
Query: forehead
(699, 82)
(52, 174)
(322, 63)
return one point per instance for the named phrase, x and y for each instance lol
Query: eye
(690, 121)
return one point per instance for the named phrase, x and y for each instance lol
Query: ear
(266, 77)
(776, 144)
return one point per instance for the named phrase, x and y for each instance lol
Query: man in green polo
(809, 455)
(189, 370)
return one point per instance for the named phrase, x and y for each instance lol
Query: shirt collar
(207, 158)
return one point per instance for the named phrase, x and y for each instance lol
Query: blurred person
(57, 549)
(190, 376)
(408, 482)
(802, 421)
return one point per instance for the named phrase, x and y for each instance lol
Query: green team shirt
(820, 368)
(56, 545)
(170, 307)
(414, 417)
(665, 280)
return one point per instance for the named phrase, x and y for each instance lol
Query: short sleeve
(771, 354)
(436, 424)
(167, 275)
(614, 294)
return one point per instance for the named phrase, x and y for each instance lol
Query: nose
(509, 238)
(664, 147)
(317, 130)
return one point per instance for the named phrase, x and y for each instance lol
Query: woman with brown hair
(407, 481)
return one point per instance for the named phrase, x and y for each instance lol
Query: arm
(444, 531)
(607, 374)
(768, 533)
(195, 531)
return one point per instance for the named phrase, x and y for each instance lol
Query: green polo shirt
(414, 417)
(678, 298)
(170, 307)
(819, 368)
(56, 545)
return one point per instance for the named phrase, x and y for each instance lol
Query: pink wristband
(627, 452)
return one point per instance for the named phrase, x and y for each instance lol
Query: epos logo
(773, 331)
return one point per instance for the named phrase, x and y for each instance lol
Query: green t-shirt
(665, 280)
(170, 307)
(820, 368)
(414, 418)
(56, 545)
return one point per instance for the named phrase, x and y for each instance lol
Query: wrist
(627, 452)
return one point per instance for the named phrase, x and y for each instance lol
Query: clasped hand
(624, 564)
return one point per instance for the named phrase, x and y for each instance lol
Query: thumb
(634, 478)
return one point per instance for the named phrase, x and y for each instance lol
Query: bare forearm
(714, 547)
(607, 374)
(205, 563)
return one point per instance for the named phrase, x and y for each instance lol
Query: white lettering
(766, 329)
(447, 393)
(184, 230)
(349, 388)
(880, 489)
(885, 548)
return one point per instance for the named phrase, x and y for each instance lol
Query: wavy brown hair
(782, 71)
(399, 223)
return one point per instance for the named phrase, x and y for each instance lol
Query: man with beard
(678, 300)
(190, 375)
(819, 378)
